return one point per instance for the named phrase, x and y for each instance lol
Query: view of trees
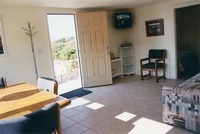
(64, 55)
(64, 49)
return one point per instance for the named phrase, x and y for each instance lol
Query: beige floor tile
(90, 122)
(89, 131)
(69, 112)
(67, 123)
(76, 129)
(103, 127)
(79, 117)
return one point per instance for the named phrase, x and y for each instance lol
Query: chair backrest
(157, 53)
(48, 84)
(43, 121)
(3, 83)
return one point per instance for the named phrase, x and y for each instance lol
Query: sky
(61, 26)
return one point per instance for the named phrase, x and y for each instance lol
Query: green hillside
(64, 49)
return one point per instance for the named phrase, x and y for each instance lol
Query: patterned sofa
(181, 104)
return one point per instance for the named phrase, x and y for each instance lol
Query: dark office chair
(43, 121)
(3, 83)
(154, 62)
(48, 84)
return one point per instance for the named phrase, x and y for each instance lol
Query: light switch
(40, 51)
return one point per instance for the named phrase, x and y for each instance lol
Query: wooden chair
(3, 83)
(43, 121)
(48, 84)
(154, 62)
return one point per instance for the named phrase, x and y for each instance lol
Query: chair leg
(156, 76)
(59, 129)
(164, 72)
(141, 73)
(149, 74)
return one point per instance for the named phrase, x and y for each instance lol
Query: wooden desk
(25, 98)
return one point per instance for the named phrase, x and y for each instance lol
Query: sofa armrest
(181, 106)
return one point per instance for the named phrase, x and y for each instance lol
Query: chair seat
(151, 65)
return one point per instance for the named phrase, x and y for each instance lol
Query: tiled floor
(129, 106)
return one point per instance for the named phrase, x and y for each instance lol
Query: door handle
(107, 50)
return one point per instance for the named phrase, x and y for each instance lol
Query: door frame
(77, 43)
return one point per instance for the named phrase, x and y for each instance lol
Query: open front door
(94, 49)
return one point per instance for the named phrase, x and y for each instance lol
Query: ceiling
(81, 4)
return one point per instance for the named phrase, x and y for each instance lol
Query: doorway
(64, 51)
(188, 41)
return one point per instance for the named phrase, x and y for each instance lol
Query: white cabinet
(117, 68)
(128, 59)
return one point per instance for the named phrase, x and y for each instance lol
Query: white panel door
(94, 49)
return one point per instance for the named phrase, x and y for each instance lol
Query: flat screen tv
(123, 20)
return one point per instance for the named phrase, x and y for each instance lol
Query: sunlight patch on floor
(125, 116)
(147, 126)
(77, 102)
(95, 106)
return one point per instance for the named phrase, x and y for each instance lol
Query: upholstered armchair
(154, 62)
(181, 104)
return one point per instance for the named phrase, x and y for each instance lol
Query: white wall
(18, 66)
(143, 43)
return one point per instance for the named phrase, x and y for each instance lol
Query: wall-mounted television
(123, 20)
